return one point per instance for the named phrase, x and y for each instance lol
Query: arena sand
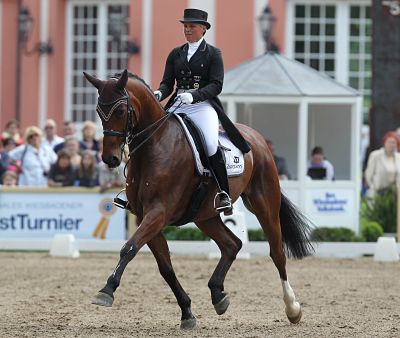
(41, 296)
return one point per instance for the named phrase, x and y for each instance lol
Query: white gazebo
(298, 108)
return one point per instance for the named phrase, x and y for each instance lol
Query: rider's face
(193, 31)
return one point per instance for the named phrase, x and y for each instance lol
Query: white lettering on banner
(25, 222)
(330, 203)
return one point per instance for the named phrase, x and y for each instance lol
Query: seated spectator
(72, 147)
(7, 145)
(319, 168)
(62, 173)
(68, 130)
(51, 138)
(111, 178)
(9, 179)
(100, 151)
(280, 163)
(89, 136)
(12, 131)
(33, 159)
(88, 172)
(383, 167)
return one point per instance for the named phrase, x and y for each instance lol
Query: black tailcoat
(203, 75)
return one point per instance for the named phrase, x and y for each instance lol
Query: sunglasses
(33, 135)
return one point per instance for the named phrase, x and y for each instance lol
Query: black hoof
(103, 299)
(188, 324)
(222, 306)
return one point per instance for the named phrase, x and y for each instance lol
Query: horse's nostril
(114, 161)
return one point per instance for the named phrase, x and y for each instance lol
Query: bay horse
(160, 179)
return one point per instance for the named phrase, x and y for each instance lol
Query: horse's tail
(295, 230)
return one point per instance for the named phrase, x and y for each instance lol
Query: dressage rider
(198, 70)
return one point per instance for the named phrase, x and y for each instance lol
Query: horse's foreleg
(149, 227)
(159, 247)
(229, 245)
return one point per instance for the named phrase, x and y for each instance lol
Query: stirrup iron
(119, 202)
(225, 208)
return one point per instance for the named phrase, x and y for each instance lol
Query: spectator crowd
(42, 158)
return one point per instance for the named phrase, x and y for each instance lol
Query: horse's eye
(119, 112)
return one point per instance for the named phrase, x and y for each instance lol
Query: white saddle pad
(233, 156)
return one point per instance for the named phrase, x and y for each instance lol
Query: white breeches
(205, 118)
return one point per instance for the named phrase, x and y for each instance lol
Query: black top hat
(195, 16)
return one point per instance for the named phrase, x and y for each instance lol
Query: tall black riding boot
(222, 201)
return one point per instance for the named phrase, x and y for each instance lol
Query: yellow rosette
(107, 209)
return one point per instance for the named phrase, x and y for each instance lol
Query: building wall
(154, 25)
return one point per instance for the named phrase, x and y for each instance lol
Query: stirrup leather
(119, 202)
(223, 207)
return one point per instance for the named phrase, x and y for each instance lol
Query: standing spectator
(51, 138)
(68, 130)
(62, 173)
(280, 163)
(88, 172)
(8, 145)
(34, 159)
(89, 136)
(324, 168)
(383, 167)
(12, 131)
(9, 179)
(71, 145)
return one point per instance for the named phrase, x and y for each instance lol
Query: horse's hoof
(188, 324)
(103, 299)
(296, 319)
(222, 306)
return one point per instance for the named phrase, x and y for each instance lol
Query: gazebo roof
(275, 75)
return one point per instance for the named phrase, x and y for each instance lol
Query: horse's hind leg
(266, 210)
(159, 248)
(229, 245)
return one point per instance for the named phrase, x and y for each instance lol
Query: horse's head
(115, 111)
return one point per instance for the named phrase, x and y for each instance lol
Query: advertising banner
(45, 214)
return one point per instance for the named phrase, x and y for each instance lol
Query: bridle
(123, 100)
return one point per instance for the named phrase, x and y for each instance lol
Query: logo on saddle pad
(235, 159)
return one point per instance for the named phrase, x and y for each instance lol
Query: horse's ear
(94, 80)
(123, 80)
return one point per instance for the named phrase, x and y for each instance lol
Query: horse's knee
(128, 251)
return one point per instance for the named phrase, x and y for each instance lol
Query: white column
(302, 151)
(102, 37)
(1, 48)
(289, 29)
(210, 8)
(68, 62)
(147, 33)
(43, 63)
(356, 170)
(342, 42)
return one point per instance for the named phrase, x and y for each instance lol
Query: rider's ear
(94, 80)
(123, 80)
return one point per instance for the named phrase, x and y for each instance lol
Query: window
(316, 44)
(315, 36)
(92, 49)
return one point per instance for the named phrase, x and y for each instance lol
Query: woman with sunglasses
(33, 159)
